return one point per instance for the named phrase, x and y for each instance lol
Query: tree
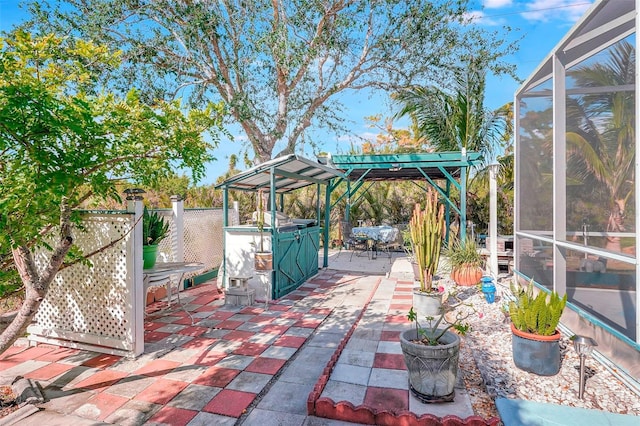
(278, 65)
(452, 120)
(62, 142)
(601, 131)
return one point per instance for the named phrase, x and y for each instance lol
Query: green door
(295, 259)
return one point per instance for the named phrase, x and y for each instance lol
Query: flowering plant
(446, 320)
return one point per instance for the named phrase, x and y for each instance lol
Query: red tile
(290, 341)
(155, 336)
(31, 353)
(261, 319)
(265, 365)
(396, 319)
(207, 357)
(252, 310)
(295, 296)
(390, 336)
(173, 416)
(48, 372)
(58, 354)
(217, 377)
(292, 315)
(157, 367)
(199, 343)
(102, 361)
(101, 380)
(251, 349)
(229, 324)
(204, 300)
(161, 391)
(240, 335)
(194, 331)
(230, 403)
(400, 306)
(106, 404)
(274, 329)
(321, 311)
(402, 297)
(395, 400)
(183, 321)
(206, 308)
(11, 351)
(5, 365)
(279, 307)
(307, 323)
(389, 361)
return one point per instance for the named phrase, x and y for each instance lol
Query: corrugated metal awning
(291, 172)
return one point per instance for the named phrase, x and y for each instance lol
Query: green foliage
(431, 334)
(536, 315)
(464, 252)
(279, 66)
(154, 228)
(427, 231)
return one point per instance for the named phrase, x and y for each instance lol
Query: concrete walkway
(245, 365)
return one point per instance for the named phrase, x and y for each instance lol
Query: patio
(325, 348)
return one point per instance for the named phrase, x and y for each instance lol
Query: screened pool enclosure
(576, 193)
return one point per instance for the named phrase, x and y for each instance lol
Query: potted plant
(464, 261)
(154, 230)
(534, 320)
(427, 229)
(263, 260)
(431, 354)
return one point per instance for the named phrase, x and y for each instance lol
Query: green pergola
(448, 168)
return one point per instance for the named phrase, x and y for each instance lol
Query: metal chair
(352, 242)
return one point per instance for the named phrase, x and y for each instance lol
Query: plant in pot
(427, 230)
(154, 230)
(534, 320)
(263, 260)
(464, 261)
(431, 353)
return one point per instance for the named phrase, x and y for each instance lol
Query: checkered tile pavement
(214, 369)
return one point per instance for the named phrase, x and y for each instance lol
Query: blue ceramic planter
(489, 289)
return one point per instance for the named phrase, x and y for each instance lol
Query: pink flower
(480, 314)
(440, 289)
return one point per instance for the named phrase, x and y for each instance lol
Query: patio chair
(396, 244)
(352, 242)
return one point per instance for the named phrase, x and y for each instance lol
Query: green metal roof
(435, 165)
(291, 172)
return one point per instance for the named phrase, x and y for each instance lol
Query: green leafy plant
(154, 228)
(431, 334)
(463, 252)
(427, 229)
(536, 315)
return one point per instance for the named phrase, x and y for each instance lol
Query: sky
(539, 24)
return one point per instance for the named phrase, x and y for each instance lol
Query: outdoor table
(376, 234)
(161, 274)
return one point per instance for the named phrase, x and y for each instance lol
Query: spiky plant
(427, 229)
(536, 315)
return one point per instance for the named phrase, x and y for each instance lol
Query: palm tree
(453, 121)
(601, 131)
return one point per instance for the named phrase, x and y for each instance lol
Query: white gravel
(490, 341)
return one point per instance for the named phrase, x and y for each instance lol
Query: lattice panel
(165, 249)
(203, 237)
(93, 300)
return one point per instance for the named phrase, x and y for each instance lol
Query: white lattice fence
(93, 305)
(203, 237)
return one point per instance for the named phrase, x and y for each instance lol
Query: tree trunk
(615, 224)
(36, 284)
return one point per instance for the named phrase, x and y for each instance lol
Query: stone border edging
(345, 411)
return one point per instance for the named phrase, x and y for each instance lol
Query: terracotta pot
(535, 353)
(467, 275)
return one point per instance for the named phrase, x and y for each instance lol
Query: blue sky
(541, 24)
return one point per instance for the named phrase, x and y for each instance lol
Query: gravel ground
(493, 374)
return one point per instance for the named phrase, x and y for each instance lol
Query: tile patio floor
(242, 365)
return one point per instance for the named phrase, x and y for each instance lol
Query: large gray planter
(432, 369)
(536, 354)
